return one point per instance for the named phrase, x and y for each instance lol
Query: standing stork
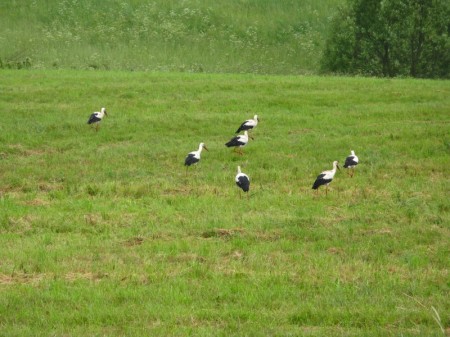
(242, 180)
(238, 142)
(325, 178)
(194, 156)
(97, 117)
(248, 124)
(351, 162)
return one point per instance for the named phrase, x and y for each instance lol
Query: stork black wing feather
(190, 159)
(244, 183)
(320, 181)
(93, 118)
(234, 142)
(349, 161)
(244, 126)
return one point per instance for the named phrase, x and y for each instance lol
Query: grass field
(103, 234)
(233, 36)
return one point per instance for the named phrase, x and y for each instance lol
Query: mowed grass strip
(104, 233)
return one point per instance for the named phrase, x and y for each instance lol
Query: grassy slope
(257, 36)
(103, 234)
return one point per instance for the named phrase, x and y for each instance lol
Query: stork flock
(242, 180)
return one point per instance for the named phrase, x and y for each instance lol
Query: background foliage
(390, 38)
(368, 37)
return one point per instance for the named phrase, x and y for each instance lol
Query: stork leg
(316, 193)
(326, 189)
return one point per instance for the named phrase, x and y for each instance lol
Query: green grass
(233, 36)
(103, 234)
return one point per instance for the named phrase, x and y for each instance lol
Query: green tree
(390, 38)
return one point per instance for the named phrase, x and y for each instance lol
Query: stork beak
(106, 114)
(338, 167)
(205, 148)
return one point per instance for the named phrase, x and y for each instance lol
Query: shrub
(390, 38)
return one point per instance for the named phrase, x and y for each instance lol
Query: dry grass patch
(382, 231)
(37, 202)
(335, 251)
(136, 241)
(76, 276)
(186, 257)
(22, 278)
(222, 232)
(22, 151)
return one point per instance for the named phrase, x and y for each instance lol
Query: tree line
(390, 38)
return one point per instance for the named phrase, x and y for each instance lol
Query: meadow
(104, 234)
(233, 36)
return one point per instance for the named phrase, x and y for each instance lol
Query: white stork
(351, 162)
(97, 117)
(242, 180)
(325, 177)
(248, 124)
(238, 141)
(194, 156)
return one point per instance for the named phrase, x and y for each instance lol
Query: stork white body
(242, 180)
(248, 124)
(96, 117)
(194, 156)
(238, 141)
(350, 162)
(326, 177)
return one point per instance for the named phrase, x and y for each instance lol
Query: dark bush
(390, 38)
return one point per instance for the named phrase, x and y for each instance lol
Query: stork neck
(239, 169)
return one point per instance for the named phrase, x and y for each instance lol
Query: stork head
(203, 146)
(104, 111)
(336, 164)
(255, 118)
(352, 152)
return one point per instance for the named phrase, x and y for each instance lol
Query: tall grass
(264, 36)
(102, 233)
